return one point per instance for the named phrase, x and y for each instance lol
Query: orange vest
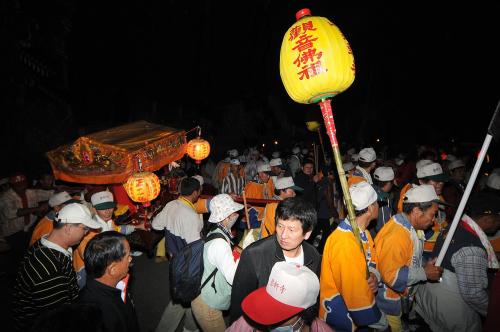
(260, 191)
(268, 226)
(44, 226)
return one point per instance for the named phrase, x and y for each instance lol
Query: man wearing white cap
(284, 188)
(46, 279)
(454, 189)
(459, 302)
(400, 247)
(383, 183)
(276, 168)
(366, 164)
(215, 296)
(433, 174)
(45, 225)
(233, 183)
(347, 298)
(261, 188)
(295, 220)
(286, 303)
(294, 161)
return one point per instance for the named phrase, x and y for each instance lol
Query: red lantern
(198, 149)
(143, 187)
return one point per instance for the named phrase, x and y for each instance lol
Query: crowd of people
(283, 255)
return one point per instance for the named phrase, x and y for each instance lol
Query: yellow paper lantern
(316, 61)
(312, 125)
(198, 149)
(143, 187)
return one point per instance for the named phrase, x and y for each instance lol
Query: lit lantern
(198, 149)
(143, 187)
(316, 61)
(316, 64)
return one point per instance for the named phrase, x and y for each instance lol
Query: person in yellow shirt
(400, 248)
(284, 188)
(347, 295)
(46, 224)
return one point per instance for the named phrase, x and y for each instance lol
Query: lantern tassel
(326, 111)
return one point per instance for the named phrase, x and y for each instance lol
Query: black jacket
(116, 315)
(255, 266)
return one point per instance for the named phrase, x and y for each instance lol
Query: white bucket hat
(362, 195)
(221, 207)
(384, 174)
(76, 213)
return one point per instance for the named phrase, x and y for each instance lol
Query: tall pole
(326, 111)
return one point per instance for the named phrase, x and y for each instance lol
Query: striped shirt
(45, 280)
(232, 185)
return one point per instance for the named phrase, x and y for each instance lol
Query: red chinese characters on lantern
(308, 59)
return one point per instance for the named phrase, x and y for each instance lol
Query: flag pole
(493, 129)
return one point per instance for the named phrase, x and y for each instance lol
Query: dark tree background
(425, 74)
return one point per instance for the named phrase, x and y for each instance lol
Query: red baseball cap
(291, 289)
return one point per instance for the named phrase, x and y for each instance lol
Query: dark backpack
(186, 270)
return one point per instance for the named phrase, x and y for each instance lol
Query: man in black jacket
(107, 258)
(295, 220)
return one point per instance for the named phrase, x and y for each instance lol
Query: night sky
(181, 63)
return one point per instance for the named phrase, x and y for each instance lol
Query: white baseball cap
(275, 162)
(367, 155)
(384, 174)
(235, 162)
(286, 182)
(362, 195)
(432, 171)
(103, 200)
(493, 181)
(76, 213)
(347, 166)
(421, 194)
(199, 178)
(263, 167)
(422, 162)
(456, 164)
(221, 207)
(290, 289)
(61, 198)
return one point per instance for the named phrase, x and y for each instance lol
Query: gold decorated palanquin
(113, 155)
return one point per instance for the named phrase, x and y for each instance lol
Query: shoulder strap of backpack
(211, 237)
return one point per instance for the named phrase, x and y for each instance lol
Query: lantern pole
(321, 143)
(326, 111)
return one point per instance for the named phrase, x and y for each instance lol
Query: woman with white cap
(217, 255)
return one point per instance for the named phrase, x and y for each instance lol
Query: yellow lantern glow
(316, 61)
(312, 125)
(143, 187)
(198, 149)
